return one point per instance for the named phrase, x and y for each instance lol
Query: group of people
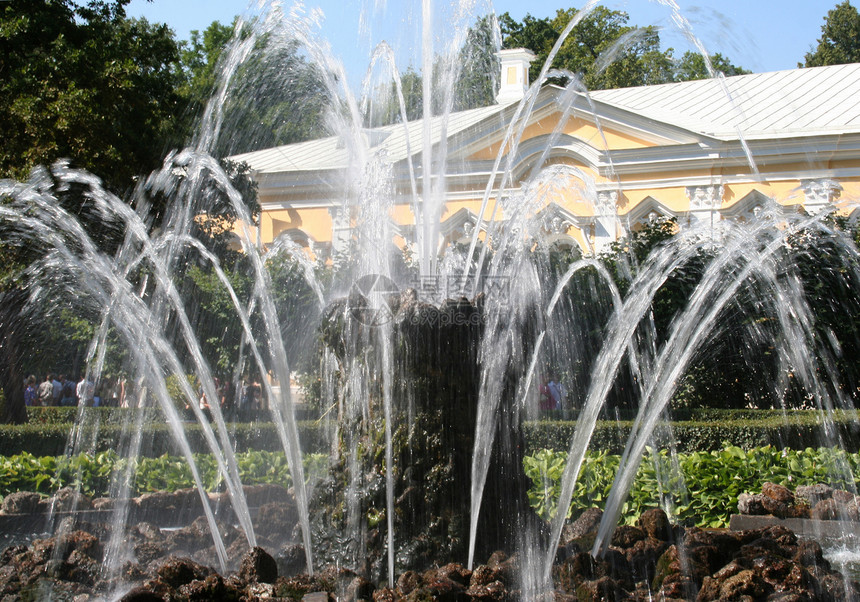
(65, 391)
(250, 396)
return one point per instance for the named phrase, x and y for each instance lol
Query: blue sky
(759, 35)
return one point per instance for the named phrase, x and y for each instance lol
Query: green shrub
(51, 439)
(699, 488)
(94, 473)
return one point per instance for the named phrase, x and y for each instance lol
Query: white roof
(759, 105)
(331, 153)
(797, 102)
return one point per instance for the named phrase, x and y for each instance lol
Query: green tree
(840, 38)
(605, 50)
(82, 81)
(275, 97)
(602, 47)
(692, 66)
(479, 67)
(199, 58)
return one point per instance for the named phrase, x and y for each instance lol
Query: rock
(826, 509)
(258, 566)
(655, 523)
(68, 499)
(291, 560)
(774, 507)
(745, 583)
(177, 572)
(812, 494)
(212, 587)
(604, 588)
(81, 542)
(627, 535)
(778, 493)
(141, 594)
(809, 553)
(584, 526)
(21, 502)
(408, 582)
(751, 504)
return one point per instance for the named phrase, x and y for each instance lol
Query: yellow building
(701, 151)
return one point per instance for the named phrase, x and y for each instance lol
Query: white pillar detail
(514, 79)
(605, 218)
(705, 202)
(820, 193)
(341, 229)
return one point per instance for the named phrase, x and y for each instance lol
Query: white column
(605, 218)
(341, 229)
(705, 202)
(820, 194)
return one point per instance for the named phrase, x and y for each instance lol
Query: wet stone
(176, 572)
(258, 566)
(21, 502)
(779, 493)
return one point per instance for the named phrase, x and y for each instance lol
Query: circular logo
(368, 299)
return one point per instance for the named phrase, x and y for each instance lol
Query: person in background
(46, 391)
(31, 397)
(68, 397)
(85, 391)
(58, 391)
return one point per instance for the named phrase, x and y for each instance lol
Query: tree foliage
(86, 83)
(840, 38)
(605, 50)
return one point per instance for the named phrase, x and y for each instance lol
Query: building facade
(593, 166)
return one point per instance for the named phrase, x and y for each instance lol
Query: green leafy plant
(698, 488)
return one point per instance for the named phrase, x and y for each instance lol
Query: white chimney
(515, 74)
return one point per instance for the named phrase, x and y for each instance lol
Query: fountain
(425, 392)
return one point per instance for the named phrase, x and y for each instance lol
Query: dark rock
(627, 535)
(745, 583)
(212, 587)
(826, 509)
(258, 567)
(484, 575)
(21, 502)
(82, 542)
(141, 594)
(494, 590)
(276, 520)
(809, 553)
(176, 572)
(604, 588)
(751, 504)
(843, 497)
(291, 560)
(359, 588)
(68, 499)
(812, 494)
(385, 595)
(778, 493)
(585, 526)
(774, 507)
(643, 555)
(656, 524)
(148, 551)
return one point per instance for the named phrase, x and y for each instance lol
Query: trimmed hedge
(51, 439)
(750, 429)
(118, 416)
(48, 430)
